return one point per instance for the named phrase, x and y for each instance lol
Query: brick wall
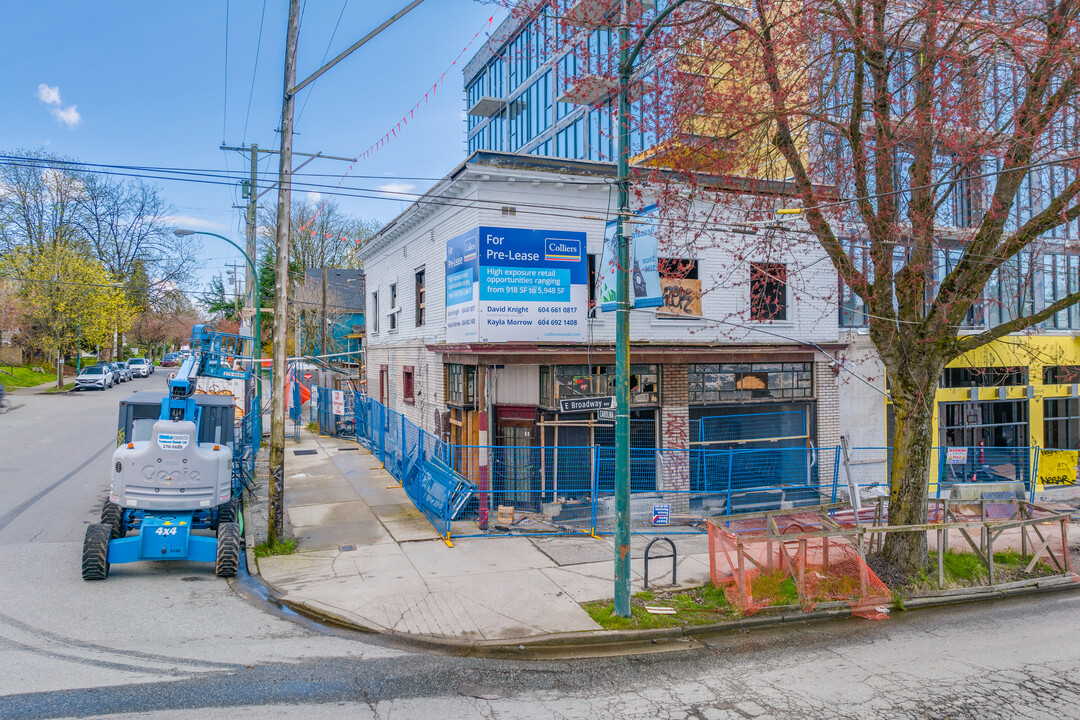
(674, 435)
(828, 405)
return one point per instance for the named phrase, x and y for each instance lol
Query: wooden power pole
(276, 519)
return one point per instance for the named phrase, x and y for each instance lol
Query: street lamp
(628, 56)
(258, 321)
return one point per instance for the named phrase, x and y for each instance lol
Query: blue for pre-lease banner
(516, 285)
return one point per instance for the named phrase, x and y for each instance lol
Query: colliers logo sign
(564, 250)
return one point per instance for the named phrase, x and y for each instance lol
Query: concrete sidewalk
(366, 557)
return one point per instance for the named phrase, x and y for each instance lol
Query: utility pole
(253, 296)
(236, 286)
(322, 320)
(276, 518)
(252, 195)
(281, 279)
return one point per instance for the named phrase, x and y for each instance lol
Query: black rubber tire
(95, 553)
(228, 550)
(112, 515)
(228, 512)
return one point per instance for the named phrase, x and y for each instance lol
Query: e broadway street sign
(586, 404)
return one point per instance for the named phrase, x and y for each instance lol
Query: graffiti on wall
(681, 296)
(1057, 467)
(676, 465)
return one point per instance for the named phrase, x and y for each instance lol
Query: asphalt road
(169, 640)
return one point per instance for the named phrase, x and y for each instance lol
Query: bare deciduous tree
(320, 235)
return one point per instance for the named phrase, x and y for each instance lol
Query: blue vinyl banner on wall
(461, 296)
(645, 288)
(516, 285)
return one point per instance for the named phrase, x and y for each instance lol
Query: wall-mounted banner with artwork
(645, 288)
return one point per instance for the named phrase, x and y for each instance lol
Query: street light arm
(184, 233)
(627, 66)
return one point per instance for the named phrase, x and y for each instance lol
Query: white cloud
(192, 223)
(314, 196)
(396, 187)
(68, 116)
(48, 95)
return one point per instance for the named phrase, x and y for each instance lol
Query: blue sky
(144, 83)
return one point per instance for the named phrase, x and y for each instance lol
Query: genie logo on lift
(166, 476)
(564, 250)
(173, 441)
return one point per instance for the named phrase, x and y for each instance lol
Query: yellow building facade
(1011, 410)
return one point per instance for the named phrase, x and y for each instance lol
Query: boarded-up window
(768, 291)
(407, 387)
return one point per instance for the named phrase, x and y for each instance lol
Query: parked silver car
(126, 373)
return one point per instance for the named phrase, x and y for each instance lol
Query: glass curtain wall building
(523, 88)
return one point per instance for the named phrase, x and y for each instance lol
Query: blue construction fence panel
(987, 464)
(422, 463)
(553, 490)
(331, 423)
(745, 427)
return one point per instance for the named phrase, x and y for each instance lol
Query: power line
(254, 70)
(834, 361)
(329, 43)
(263, 175)
(541, 210)
(534, 209)
(225, 92)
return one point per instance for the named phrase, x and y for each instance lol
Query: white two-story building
(482, 315)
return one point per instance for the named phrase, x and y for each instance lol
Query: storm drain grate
(305, 452)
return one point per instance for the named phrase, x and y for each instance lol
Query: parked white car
(95, 376)
(141, 367)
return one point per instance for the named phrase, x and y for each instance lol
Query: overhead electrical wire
(530, 209)
(254, 70)
(212, 177)
(225, 92)
(329, 43)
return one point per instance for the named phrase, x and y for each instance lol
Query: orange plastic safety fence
(758, 571)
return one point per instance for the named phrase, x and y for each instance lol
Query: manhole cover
(305, 452)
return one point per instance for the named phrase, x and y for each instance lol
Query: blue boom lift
(181, 464)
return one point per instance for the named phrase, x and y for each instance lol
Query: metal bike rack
(674, 559)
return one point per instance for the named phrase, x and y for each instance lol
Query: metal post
(449, 497)
(483, 471)
(853, 489)
(595, 485)
(276, 485)
(622, 337)
(322, 320)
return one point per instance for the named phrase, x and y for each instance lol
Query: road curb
(600, 639)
